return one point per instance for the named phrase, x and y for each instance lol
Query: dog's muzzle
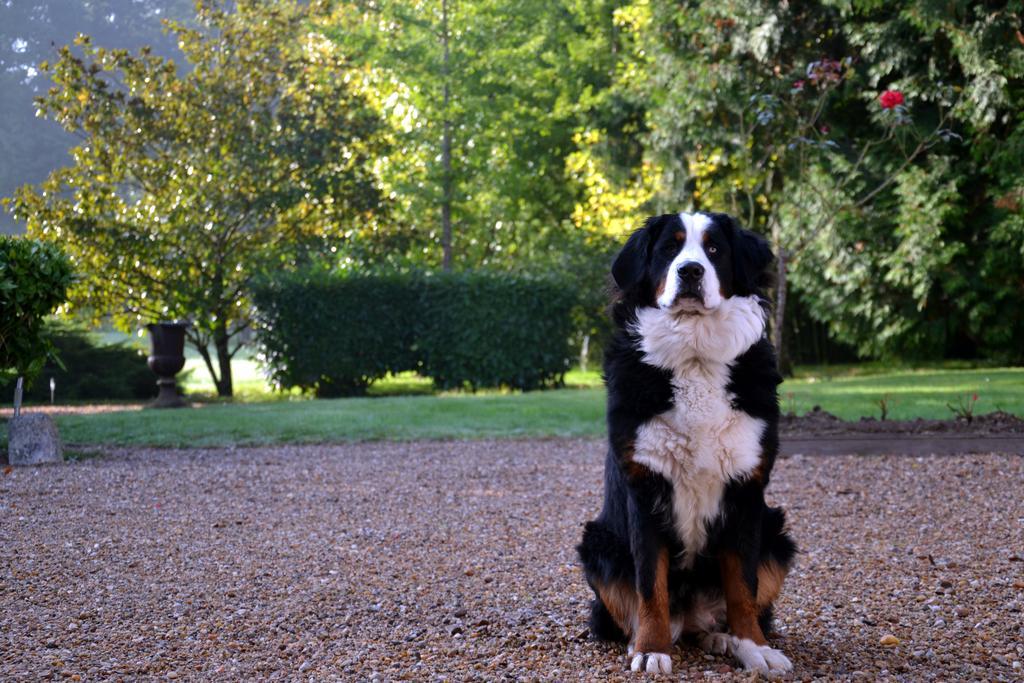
(691, 275)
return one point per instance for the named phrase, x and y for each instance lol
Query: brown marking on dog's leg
(770, 576)
(634, 471)
(620, 601)
(654, 633)
(740, 607)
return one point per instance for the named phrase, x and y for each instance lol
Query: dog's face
(689, 263)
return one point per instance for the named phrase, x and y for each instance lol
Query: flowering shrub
(827, 71)
(890, 99)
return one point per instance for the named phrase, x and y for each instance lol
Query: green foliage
(488, 330)
(34, 279)
(507, 85)
(185, 186)
(88, 371)
(539, 133)
(933, 270)
(582, 260)
(336, 333)
(900, 226)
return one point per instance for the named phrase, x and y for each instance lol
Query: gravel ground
(431, 561)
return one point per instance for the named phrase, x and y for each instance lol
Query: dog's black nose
(691, 271)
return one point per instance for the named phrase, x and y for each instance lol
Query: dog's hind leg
(777, 553)
(748, 643)
(608, 566)
(613, 613)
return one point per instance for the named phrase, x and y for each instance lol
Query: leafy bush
(34, 278)
(336, 333)
(91, 371)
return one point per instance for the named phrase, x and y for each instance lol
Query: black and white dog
(685, 543)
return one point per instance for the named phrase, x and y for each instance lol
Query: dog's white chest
(699, 446)
(702, 442)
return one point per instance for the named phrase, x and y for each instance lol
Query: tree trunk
(204, 353)
(446, 150)
(220, 342)
(778, 326)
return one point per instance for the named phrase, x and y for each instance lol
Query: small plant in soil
(964, 408)
(883, 404)
(790, 403)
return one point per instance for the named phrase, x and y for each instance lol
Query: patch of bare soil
(820, 422)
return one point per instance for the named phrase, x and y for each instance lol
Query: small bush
(336, 333)
(34, 278)
(91, 372)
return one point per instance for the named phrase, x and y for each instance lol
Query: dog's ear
(751, 257)
(631, 263)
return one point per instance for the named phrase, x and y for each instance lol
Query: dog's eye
(712, 249)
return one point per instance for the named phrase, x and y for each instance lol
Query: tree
(935, 270)
(772, 111)
(482, 101)
(184, 187)
(492, 136)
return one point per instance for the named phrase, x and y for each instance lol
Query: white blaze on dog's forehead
(695, 225)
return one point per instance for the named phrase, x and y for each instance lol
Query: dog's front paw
(651, 662)
(763, 658)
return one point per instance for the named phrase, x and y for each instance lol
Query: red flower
(890, 99)
(974, 397)
(798, 85)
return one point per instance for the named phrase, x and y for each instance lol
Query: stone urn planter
(166, 359)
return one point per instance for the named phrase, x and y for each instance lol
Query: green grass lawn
(564, 412)
(574, 411)
(249, 381)
(910, 393)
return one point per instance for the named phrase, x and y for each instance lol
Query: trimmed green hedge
(494, 329)
(336, 333)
